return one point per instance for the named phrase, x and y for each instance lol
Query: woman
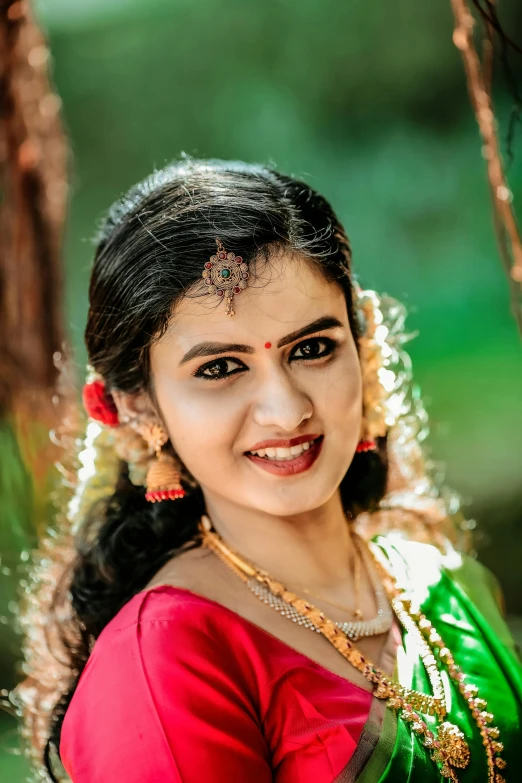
(238, 604)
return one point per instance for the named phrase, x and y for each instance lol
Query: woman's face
(285, 365)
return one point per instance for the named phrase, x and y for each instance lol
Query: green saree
(459, 596)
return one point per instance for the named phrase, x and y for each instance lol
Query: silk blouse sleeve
(164, 698)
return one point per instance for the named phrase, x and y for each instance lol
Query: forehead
(283, 294)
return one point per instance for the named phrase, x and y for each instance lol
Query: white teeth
(281, 454)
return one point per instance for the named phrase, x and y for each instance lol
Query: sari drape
(457, 594)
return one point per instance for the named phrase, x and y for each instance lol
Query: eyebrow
(213, 348)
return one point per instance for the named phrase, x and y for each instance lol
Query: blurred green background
(368, 102)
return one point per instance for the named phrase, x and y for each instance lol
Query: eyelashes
(216, 370)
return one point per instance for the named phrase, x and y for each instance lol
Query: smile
(282, 454)
(287, 461)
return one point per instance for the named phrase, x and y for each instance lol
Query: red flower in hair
(99, 404)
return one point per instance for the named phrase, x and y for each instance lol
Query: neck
(313, 549)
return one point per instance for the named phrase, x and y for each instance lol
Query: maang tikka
(225, 274)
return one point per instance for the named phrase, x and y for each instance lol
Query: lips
(283, 444)
(290, 467)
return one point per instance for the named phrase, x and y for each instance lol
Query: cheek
(200, 424)
(340, 404)
(339, 397)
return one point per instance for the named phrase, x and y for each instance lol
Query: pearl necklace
(448, 747)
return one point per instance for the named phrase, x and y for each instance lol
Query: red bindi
(268, 345)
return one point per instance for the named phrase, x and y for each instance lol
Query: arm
(163, 699)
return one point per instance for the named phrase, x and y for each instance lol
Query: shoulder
(165, 651)
(175, 607)
(163, 677)
(164, 611)
(163, 604)
(172, 626)
(170, 637)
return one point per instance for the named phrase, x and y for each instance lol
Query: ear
(133, 406)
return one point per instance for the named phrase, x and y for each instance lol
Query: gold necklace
(448, 748)
(354, 629)
(356, 612)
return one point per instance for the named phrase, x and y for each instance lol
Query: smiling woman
(219, 411)
(268, 435)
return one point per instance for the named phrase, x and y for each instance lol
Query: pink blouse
(180, 689)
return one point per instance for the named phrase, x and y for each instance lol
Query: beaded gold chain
(448, 748)
(402, 606)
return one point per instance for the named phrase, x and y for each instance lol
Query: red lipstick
(288, 467)
(285, 443)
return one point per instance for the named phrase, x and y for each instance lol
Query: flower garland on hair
(373, 353)
(416, 502)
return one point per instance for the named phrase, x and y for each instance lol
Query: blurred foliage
(368, 103)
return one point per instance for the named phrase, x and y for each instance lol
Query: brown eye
(217, 369)
(310, 349)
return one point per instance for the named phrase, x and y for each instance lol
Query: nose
(280, 403)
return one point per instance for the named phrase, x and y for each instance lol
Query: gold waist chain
(447, 744)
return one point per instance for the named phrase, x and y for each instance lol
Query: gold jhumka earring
(163, 478)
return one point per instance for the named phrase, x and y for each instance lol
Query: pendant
(225, 274)
(453, 750)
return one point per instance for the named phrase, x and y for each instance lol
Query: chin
(288, 502)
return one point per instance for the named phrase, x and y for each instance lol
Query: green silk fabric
(461, 599)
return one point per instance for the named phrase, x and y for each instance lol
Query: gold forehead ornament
(225, 274)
